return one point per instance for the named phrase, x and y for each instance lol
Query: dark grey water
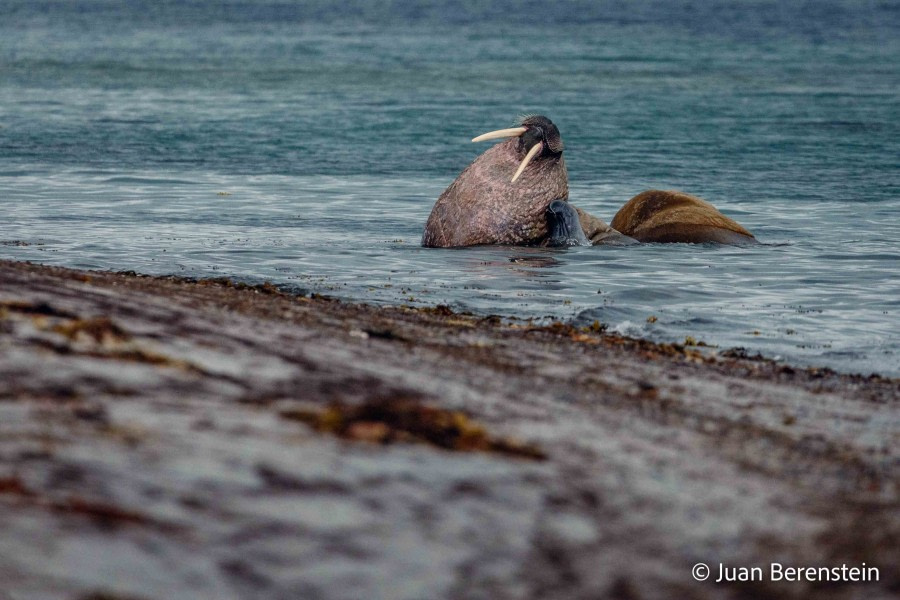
(304, 143)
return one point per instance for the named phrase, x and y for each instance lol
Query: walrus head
(538, 136)
(502, 197)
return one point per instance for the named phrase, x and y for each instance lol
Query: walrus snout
(537, 136)
(545, 131)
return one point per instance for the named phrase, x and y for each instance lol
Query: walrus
(670, 216)
(505, 197)
(502, 196)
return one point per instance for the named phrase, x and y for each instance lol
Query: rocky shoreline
(165, 438)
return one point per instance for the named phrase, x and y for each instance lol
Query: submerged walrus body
(669, 216)
(516, 193)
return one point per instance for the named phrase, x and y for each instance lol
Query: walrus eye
(500, 133)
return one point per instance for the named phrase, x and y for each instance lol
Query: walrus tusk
(500, 133)
(531, 154)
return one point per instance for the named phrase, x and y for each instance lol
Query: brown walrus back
(669, 216)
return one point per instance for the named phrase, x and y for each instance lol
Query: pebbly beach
(170, 438)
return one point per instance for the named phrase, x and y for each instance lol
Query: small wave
(149, 181)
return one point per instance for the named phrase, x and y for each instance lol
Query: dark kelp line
(169, 438)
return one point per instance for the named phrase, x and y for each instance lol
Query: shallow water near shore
(306, 146)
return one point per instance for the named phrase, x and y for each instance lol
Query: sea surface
(304, 143)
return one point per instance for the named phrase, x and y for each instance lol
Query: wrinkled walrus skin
(483, 207)
(673, 217)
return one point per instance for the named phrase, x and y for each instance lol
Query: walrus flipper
(564, 226)
(672, 217)
(599, 233)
